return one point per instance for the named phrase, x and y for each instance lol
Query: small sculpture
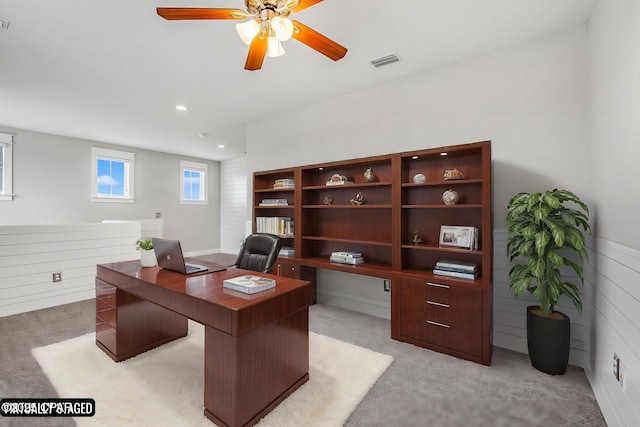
(359, 200)
(336, 177)
(450, 197)
(416, 238)
(369, 176)
(453, 174)
(327, 200)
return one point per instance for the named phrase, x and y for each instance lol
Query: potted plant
(542, 230)
(147, 255)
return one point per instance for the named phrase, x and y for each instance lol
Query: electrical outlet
(387, 285)
(57, 277)
(616, 367)
(158, 215)
(622, 376)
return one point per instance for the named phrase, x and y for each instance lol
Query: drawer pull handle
(438, 285)
(431, 322)
(439, 304)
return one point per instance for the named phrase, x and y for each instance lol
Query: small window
(193, 182)
(6, 166)
(112, 175)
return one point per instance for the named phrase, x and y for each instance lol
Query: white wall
(52, 183)
(529, 99)
(614, 64)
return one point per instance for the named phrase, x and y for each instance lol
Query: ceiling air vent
(384, 60)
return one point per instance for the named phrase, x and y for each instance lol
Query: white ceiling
(113, 70)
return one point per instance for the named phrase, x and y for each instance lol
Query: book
(346, 260)
(283, 183)
(347, 254)
(462, 265)
(456, 274)
(286, 251)
(249, 284)
(274, 202)
(338, 182)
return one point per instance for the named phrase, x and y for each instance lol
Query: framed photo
(458, 237)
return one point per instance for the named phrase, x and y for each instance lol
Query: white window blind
(193, 182)
(112, 175)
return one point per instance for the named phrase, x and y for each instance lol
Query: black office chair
(259, 252)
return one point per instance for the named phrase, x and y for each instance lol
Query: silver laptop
(170, 257)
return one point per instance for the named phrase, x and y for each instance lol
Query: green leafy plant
(541, 229)
(146, 245)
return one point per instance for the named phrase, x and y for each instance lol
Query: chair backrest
(259, 252)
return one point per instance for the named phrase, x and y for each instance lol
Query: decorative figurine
(327, 200)
(450, 197)
(369, 176)
(416, 238)
(419, 178)
(453, 174)
(359, 200)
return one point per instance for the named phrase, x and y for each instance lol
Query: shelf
(366, 269)
(272, 190)
(345, 186)
(347, 206)
(275, 207)
(458, 206)
(350, 241)
(452, 182)
(441, 249)
(429, 276)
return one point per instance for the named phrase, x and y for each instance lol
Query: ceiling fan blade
(305, 4)
(317, 41)
(178, 13)
(257, 50)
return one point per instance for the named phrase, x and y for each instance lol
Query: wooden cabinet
(380, 217)
(287, 268)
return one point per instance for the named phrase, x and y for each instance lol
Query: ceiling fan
(268, 24)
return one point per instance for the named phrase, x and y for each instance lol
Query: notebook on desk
(170, 257)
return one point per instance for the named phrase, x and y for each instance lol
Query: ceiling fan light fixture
(282, 27)
(248, 30)
(274, 47)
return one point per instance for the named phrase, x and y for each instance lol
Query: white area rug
(165, 386)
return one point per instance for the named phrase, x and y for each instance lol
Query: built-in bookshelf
(390, 209)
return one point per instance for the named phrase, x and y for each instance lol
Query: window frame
(6, 191)
(126, 157)
(203, 168)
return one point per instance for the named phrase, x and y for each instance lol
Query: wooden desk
(256, 346)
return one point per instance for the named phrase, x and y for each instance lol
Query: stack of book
(283, 183)
(286, 251)
(459, 269)
(352, 258)
(249, 284)
(274, 202)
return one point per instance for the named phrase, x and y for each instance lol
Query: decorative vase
(450, 197)
(548, 339)
(419, 178)
(147, 258)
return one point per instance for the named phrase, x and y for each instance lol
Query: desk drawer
(442, 293)
(437, 311)
(442, 334)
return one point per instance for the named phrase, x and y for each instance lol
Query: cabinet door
(286, 268)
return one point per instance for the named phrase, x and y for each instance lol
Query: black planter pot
(548, 341)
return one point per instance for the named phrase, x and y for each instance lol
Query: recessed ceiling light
(220, 145)
(182, 107)
(443, 154)
(414, 157)
(202, 134)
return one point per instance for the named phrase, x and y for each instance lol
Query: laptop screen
(170, 257)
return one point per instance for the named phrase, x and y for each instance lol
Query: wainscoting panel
(616, 329)
(30, 254)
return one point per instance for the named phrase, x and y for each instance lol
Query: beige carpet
(165, 386)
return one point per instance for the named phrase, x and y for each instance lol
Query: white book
(456, 274)
(249, 284)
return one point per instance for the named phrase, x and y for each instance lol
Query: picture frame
(458, 237)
